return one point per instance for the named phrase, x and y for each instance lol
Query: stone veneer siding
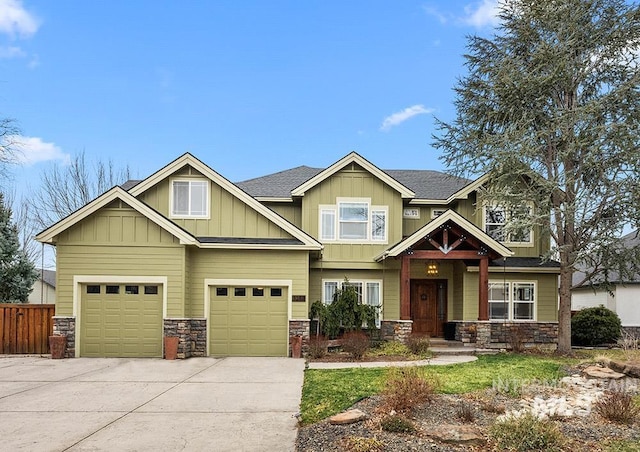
(396, 330)
(632, 331)
(505, 334)
(300, 328)
(66, 326)
(192, 334)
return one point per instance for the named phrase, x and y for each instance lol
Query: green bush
(595, 326)
(526, 433)
(397, 424)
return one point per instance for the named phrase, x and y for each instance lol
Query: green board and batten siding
(228, 215)
(353, 182)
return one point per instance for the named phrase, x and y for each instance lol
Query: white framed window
(511, 300)
(189, 198)
(411, 213)
(327, 223)
(369, 292)
(353, 220)
(495, 219)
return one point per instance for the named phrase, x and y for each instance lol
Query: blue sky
(249, 87)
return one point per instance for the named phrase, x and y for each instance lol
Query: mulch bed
(582, 433)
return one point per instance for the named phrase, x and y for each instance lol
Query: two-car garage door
(121, 320)
(248, 320)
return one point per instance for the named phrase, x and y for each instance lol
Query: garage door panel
(121, 324)
(253, 325)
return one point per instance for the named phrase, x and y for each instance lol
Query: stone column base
(396, 330)
(66, 326)
(192, 334)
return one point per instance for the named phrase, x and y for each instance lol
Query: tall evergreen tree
(551, 104)
(17, 272)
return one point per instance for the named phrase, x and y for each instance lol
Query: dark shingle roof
(250, 241)
(426, 184)
(525, 262)
(128, 185)
(278, 185)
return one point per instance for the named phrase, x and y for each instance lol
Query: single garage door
(121, 320)
(248, 321)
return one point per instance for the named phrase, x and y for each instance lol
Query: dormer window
(353, 220)
(189, 199)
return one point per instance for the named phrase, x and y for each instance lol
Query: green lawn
(326, 392)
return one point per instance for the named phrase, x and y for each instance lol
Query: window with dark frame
(112, 290)
(131, 290)
(151, 290)
(93, 289)
(240, 291)
(222, 291)
(276, 291)
(258, 291)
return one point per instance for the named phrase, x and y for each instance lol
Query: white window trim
(527, 244)
(207, 214)
(336, 211)
(510, 291)
(364, 283)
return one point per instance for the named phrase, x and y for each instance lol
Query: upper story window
(353, 220)
(190, 198)
(495, 220)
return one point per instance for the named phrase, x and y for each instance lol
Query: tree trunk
(564, 309)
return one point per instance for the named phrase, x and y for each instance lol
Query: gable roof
(428, 185)
(188, 159)
(353, 157)
(48, 276)
(101, 201)
(434, 224)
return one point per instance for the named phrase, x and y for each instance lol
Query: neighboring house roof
(128, 185)
(426, 184)
(434, 224)
(630, 240)
(356, 158)
(48, 276)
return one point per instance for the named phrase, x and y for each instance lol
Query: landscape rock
(348, 417)
(457, 434)
(602, 372)
(632, 370)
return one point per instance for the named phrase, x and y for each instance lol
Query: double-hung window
(512, 300)
(353, 220)
(495, 220)
(369, 292)
(189, 198)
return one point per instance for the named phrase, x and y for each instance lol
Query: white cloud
(435, 12)
(33, 150)
(11, 52)
(401, 116)
(16, 20)
(482, 14)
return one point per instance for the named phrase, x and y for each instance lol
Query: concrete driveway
(198, 404)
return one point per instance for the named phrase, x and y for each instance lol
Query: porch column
(483, 289)
(405, 288)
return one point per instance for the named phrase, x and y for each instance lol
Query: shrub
(317, 346)
(465, 413)
(526, 433)
(361, 444)
(617, 406)
(595, 326)
(418, 344)
(390, 348)
(397, 424)
(356, 343)
(407, 387)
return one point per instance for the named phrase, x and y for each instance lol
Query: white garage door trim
(78, 280)
(208, 283)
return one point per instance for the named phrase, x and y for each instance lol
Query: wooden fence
(25, 328)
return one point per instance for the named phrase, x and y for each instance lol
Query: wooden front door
(428, 306)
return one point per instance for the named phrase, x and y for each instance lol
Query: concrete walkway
(442, 360)
(230, 404)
